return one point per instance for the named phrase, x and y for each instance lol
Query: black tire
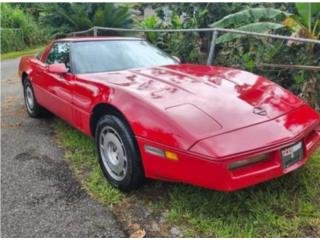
(34, 110)
(134, 173)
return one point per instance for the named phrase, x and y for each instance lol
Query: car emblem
(259, 111)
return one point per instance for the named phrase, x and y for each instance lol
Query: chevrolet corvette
(152, 117)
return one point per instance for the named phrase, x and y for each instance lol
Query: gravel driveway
(40, 196)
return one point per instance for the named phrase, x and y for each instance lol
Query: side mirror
(177, 59)
(58, 68)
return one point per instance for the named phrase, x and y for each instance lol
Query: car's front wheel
(33, 108)
(118, 153)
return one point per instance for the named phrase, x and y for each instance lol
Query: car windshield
(116, 55)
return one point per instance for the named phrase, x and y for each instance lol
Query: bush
(11, 40)
(184, 45)
(19, 30)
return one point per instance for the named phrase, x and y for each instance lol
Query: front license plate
(292, 154)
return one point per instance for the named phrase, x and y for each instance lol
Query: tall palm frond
(68, 17)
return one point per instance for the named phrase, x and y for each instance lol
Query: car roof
(80, 39)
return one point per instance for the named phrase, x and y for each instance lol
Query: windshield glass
(116, 55)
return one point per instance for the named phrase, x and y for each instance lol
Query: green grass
(16, 54)
(80, 154)
(285, 207)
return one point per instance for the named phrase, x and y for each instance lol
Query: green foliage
(184, 45)
(249, 16)
(151, 23)
(112, 15)
(252, 20)
(248, 61)
(307, 11)
(11, 40)
(251, 53)
(307, 23)
(68, 17)
(16, 54)
(29, 33)
(236, 50)
(258, 27)
(206, 13)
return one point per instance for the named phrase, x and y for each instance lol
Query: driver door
(57, 88)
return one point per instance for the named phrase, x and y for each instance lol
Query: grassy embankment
(21, 53)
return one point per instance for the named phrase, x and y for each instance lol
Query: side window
(59, 53)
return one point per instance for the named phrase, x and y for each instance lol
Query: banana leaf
(248, 16)
(259, 27)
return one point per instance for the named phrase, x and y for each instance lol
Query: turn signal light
(171, 155)
(246, 162)
(161, 153)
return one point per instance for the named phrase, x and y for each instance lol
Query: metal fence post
(95, 32)
(212, 47)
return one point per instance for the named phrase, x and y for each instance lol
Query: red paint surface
(203, 113)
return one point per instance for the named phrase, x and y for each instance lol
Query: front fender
(151, 122)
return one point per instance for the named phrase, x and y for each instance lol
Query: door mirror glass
(58, 68)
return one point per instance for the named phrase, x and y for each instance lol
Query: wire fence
(12, 39)
(94, 31)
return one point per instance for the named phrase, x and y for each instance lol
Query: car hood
(225, 98)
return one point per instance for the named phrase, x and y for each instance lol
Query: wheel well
(23, 77)
(102, 109)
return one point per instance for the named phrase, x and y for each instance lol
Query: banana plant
(307, 23)
(260, 20)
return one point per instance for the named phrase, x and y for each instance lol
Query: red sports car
(151, 116)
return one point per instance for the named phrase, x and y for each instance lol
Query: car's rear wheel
(33, 108)
(118, 153)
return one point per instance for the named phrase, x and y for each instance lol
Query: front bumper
(202, 171)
